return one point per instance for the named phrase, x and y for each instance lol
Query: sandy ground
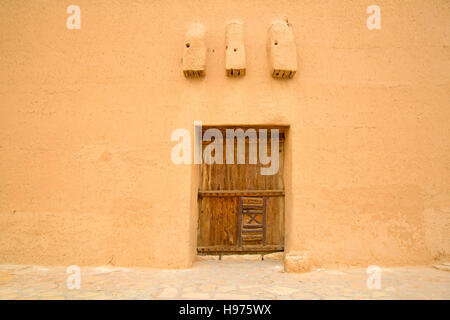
(226, 279)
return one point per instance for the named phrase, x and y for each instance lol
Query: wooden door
(241, 210)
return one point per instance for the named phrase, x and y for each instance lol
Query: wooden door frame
(287, 182)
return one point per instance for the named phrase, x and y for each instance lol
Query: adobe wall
(86, 118)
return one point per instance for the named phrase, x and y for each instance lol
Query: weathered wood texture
(221, 188)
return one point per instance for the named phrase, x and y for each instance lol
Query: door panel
(275, 221)
(218, 220)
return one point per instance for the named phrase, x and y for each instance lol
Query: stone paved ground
(226, 279)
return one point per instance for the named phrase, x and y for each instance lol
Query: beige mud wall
(86, 118)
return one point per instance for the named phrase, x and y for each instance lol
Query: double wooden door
(241, 210)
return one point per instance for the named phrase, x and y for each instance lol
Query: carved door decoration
(252, 221)
(241, 210)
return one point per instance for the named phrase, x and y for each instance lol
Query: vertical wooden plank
(251, 170)
(264, 221)
(218, 220)
(200, 226)
(282, 218)
(280, 175)
(240, 223)
(270, 219)
(205, 217)
(228, 170)
(226, 221)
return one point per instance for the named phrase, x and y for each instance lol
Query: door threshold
(221, 250)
